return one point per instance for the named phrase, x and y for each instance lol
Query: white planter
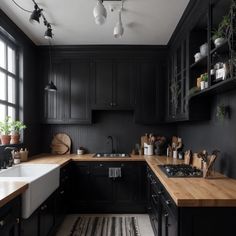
(202, 83)
(218, 41)
(204, 50)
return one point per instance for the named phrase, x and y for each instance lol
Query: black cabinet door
(46, 216)
(80, 192)
(101, 185)
(124, 84)
(54, 102)
(147, 110)
(102, 84)
(78, 91)
(10, 218)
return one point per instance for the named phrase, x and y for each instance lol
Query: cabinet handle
(62, 192)
(2, 223)
(160, 192)
(154, 198)
(166, 215)
(44, 207)
(168, 202)
(100, 165)
(154, 182)
(17, 220)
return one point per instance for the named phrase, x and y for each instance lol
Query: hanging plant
(221, 112)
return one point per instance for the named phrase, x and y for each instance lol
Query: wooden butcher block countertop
(218, 191)
(10, 190)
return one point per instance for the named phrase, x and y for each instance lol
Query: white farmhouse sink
(43, 180)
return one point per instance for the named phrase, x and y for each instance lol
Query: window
(9, 83)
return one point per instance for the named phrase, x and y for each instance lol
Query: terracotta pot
(15, 139)
(5, 139)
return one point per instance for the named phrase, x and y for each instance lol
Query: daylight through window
(8, 79)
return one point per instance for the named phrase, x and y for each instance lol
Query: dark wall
(29, 91)
(93, 137)
(215, 134)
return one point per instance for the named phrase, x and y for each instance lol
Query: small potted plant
(16, 127)
(204, 81)
(220, 34)
(5, 130)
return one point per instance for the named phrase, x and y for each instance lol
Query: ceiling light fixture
(118, 30)
(51, 87)
(36, 14)
(35, 17)
(99, 13)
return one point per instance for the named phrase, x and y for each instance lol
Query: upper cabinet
(201, 59)
(112, 85)
(177, 82)
(71, 103)
(150, 96)
(88, 81)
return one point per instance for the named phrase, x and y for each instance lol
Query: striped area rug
(105, 226)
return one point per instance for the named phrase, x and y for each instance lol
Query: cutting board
(61, 144)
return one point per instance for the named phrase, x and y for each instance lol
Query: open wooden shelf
(221, 87)
(200, 63)
(224, 47)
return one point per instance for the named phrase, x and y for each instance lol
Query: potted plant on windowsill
(5, 130)
(16, 127)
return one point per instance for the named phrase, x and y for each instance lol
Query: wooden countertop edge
(13, 194)
(65, 159)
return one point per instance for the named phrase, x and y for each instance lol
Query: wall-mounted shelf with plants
(221, 55)
(210, 34)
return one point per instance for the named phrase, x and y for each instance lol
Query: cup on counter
(150, 150)
(80, 151)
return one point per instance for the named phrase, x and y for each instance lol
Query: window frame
(6, 103)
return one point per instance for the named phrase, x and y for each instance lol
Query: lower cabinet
(46, 219)
(10, 218)
(169, 220)
(96, 192)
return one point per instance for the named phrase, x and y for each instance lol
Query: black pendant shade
(48, 33)
(36, 14)
(51, 87)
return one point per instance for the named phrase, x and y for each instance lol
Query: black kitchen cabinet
(71, 103)
(177, 83)
(46, 216)
(54, 102)
(113, 83)
(10, 218)
(62, 195)
(149, 98)
(169, 220)
(41, 222)
(96, 192)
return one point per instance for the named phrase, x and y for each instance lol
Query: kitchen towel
(114, 172)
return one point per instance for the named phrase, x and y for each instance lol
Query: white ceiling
(146, 22)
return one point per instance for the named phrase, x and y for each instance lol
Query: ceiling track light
(35, 17)
(36, 14)
(100, 13)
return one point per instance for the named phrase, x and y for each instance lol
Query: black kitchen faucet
(110, 140)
